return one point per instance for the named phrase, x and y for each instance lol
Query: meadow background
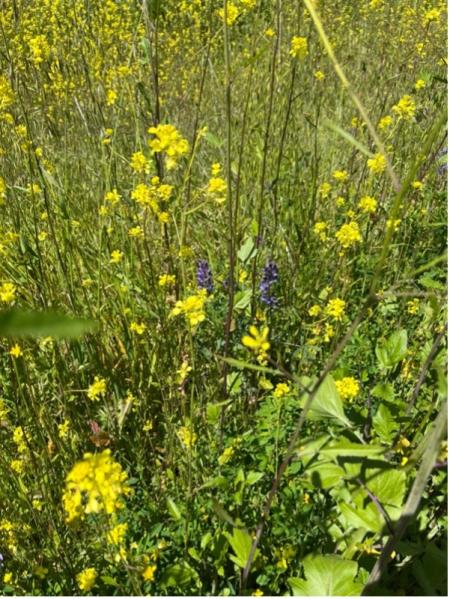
(248, 198)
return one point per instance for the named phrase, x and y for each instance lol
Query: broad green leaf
(327, 404)
(109, 580)
(326, 474)
(390, 352)
(388, 486)
(242, 299)
(241, 542)
(344, 448)
(247, 250)
(327, 575)
(178, 575)
(366, 517)
(384, 424)
(253, 477)
(384, 391)
(16, 323)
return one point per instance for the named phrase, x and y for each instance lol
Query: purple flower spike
(269, 278)
(204, 276)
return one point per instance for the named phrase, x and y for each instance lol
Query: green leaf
(344, 448)
(327, 404)
(173, 509)
(390, 352)
(358, 516)
(384, 424)
(241, 542)
(43, 324)
(327, 575)
(326, 474)
(242, 299)
(384, 391)
(253, 477)
(109, 580)
(247, 250)
(178, 575)
(213, 140)
(387, 485)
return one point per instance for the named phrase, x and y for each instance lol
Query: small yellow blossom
(7, 293)
(349, 234)
(324, 190)
(116, 256)
(183, 372)
(166, 280)
(186, 436)
(98, 388)
(111, 97)
(136, 232)
(340, 176)
(112, 196)
(281, 390)
(86, 579)
(319, 75)
(412, 307)
(368, 204)
(193, 307)
(116, 535)
(385, 122)
(335, 308)
(417, 185)
(149, 573)
(299, 47)
(420, 84)
(63, 429)
(315, 310)
(166, 139)
(377, 164)
(405, 108)
(139, 163)
(257, 342)
(16, 351)
(138, 328)
(320, 229)
(393, 224)
(348, 388)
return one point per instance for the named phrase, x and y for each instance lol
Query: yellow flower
(385, 122)
(420, 84)
(97, 388)
(412, 307)
(393, 224)
(139, 163)
(258, 593)
(299, 47)
(7, 577)
(226, 455)
(349, 234)
(116, 256)
(217, 187)
(335, 308)
(7, 293)
(281, 390)
(324, 190)
(417, 185)
(348, 388)
(340, 176)
(136, 232)
(95, 484)
(377, 163)
(186, 436)
(320, 229)
(319, 75)
(16, 351)
(193, 307)
(257, 342)
(232, 13)
(368, 204)
(86, 579)
(63, 429)
(116, 535)
(166, 280)
(315, 310)
(169, 141)
(138, 328)
(112, 196)
(111, 97)
(183, 372)
(405, 108)
(149, 573)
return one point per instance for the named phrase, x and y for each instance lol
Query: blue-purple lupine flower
(204, 276)
(269, 278)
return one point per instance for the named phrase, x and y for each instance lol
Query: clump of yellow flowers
(169, 141)
(95, 484)
(258, 342)
(348, 388)
(299, 47)
(193, 307)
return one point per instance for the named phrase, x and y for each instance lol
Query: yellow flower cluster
(405, 108)
(349, 234)
(258, 342)
(348, 388)
(335, 308)
(7, 293)
(299, 47)
(86, 579)
(193, 307)
(377, 164)
(168, 140)
(368, 204)
(186, 436)
(97, 388)
(95, 484)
